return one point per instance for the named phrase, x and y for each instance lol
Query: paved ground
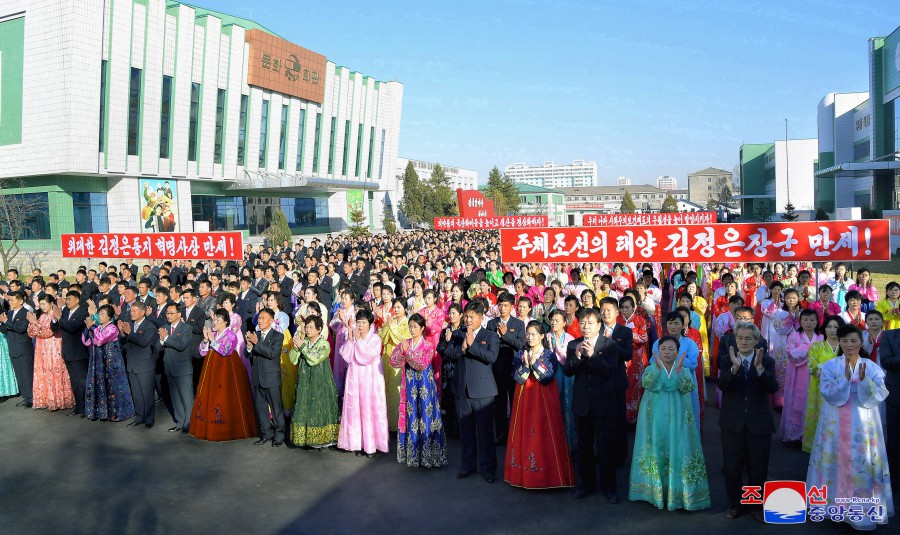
(63, 475)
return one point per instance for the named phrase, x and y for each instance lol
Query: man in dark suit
(245, 305)
(475, 350)
(69, 322)
(264, 349)
(596, 361)
(260, 284)
(140, 335)
(323, 288)
(512, 338)
(746, 379)
(175, 342)
(123, 310)
(195, 316)
(14, 324)
(889, 359)
(746, 315)
(285, 283)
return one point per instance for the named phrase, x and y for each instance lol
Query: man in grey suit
(264, 348)
(139, 337)
(176, 341)
(475, 350)
(14, 324)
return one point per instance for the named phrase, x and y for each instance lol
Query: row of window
(641, 196)
(165, 131)
(255, 213)
(89, 211)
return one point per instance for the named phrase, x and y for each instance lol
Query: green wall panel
(12, 62)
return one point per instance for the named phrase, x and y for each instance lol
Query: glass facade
(371, 151)
(242, 130)
(346, 154)
(331, 146)
(381, 158)
(301, 140)
(318, 142)
(263, 133)
(134, 112)
(255, 213)
(358, 149)
(103, 75)
(282, 138)
(90, 212)
(165, 121)
(220, 120)
(193, 131)
(36, 224)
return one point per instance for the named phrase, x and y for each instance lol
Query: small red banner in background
(740, 242)
(164, 246)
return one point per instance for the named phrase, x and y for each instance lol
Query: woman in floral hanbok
(668, 469)
(52, 388)
(796, 382)
(107, 394)
(819, 354)
(393, 331)
(315, 418)
(634, 368)
(420, 439)
(779, 313)
(848, 454)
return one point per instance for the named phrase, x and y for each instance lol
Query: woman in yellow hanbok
(890, 306)
(701, 307)
(819, 354)
(393, 331)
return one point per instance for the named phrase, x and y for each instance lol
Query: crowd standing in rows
(425, 334)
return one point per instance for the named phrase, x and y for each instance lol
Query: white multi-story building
(115, 111)
(623, 181)
(667, 182)
(578, 174)
(459, 178)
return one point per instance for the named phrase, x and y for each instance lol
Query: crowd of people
(427, 335)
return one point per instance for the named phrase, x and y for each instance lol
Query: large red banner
(498, 222)
(164, 246)
(646, 220)
(740, 242)
(472, 203)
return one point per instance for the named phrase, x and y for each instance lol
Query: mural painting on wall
(159, 205)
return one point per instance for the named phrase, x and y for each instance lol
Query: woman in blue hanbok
(107, 394)
(559, 340)
(668, 468)
(8, 385)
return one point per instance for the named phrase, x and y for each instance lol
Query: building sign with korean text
(864, 240)
(170, 246)
(284, 67)
(497, 222)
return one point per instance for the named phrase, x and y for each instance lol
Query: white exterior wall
(550, 175)
(797, 169)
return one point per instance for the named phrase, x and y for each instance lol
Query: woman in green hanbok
(668, 468)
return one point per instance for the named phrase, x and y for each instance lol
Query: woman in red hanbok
(537, 455)
(634, 368)
(434, 324)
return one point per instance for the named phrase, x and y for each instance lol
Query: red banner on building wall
(163, 246)
(741, 242)
(498, 222)
(646, 220)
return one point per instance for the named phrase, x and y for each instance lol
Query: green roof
(224, 17)
(527, 188)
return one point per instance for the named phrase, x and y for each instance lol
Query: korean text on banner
(169, 246)
(741, 242)
(498, 222)
(645, 220)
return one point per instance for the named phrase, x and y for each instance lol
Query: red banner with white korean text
(163, 246)
(646, 220)
(497, 222)
(740, 242)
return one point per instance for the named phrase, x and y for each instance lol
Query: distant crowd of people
(427, 335)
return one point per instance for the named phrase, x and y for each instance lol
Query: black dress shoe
(463, 473)
(490, 478)
(261, 442)
(21, 403)
(581, 493)
(732, 513)
(358, 453)
(148, 426)
(28, 405)
(73, 413)
(83, 415)
(133, 424)
(277, 443)
(612, 497)
(174, 429)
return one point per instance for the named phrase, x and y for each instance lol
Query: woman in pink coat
(364, 425)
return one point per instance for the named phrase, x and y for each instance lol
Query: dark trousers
(142, 387)
(271, 426)
(893, 442)
(600, 440)
(476, 434)
(742, 451)
(78, 377)
(181, 389)
(23, 365)
(506, 389)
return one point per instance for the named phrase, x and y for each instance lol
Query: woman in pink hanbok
(434, 324)
(52, 388)
(234, 325)
(345, 315)
(796, 382)
(777, 323)
(364, 425)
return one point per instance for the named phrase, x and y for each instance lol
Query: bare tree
(16, 217)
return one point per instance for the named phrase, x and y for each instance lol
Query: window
(90, 211)
(331, 146)
(165, 122)
(220, 120)
(301, 140)
(371, 151)
(193, 131)
(282, 138)
(317, 141)
(302, 213)
(242, 130)
(358, 149)
(37, 220)
(134, 112)
(381, 158)
(222, 213)
(103, 76)
(861, 150)
(263, 132)
(346, 148)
